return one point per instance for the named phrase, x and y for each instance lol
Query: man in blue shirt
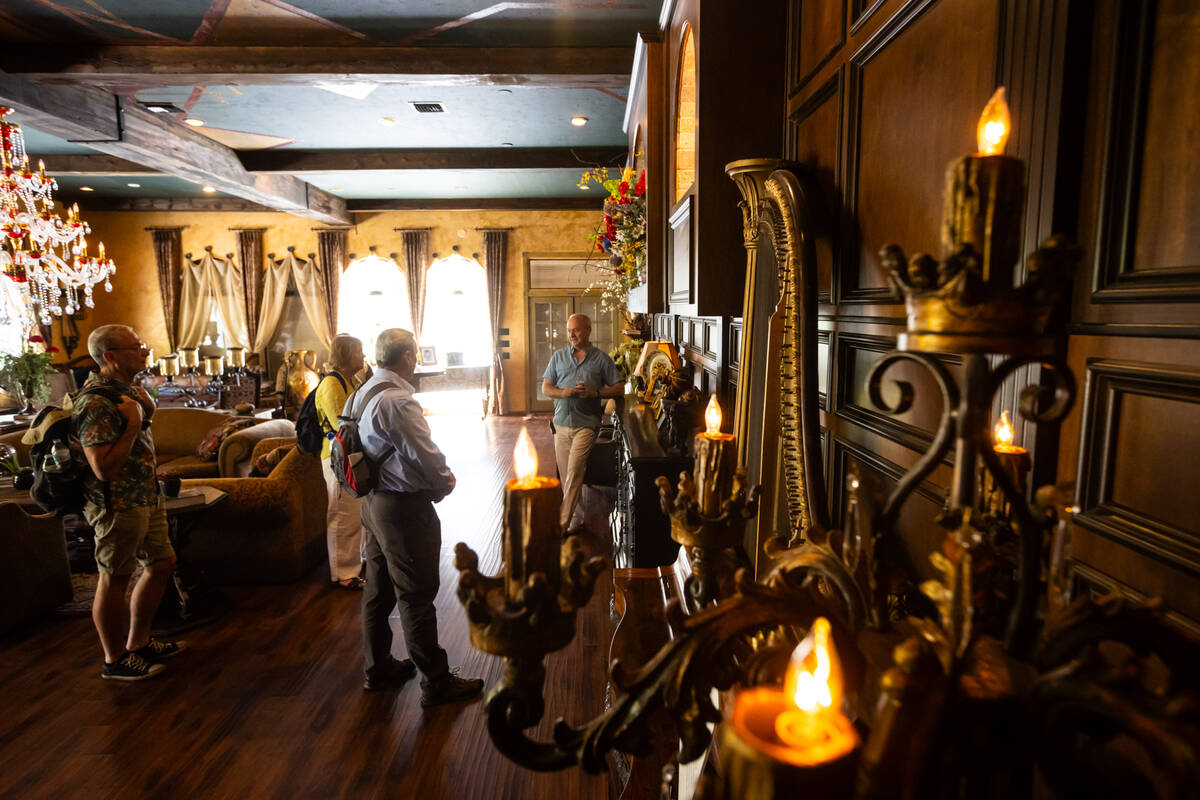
(403, 535)
(577, 378)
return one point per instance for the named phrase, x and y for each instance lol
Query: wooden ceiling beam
(122, 128)
(140, 66)
(287, 160)
(93, 166)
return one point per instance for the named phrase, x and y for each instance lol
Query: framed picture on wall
(427, 356)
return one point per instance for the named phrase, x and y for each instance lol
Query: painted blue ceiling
(148, 186)
(311, 118)
(475, 116)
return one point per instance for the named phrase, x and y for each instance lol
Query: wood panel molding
(1110, 385)
(830, 90)
(1083, 579)
(1114, 279)
(798, 77)
(912, 436)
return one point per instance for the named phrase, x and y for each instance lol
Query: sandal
(353, 584)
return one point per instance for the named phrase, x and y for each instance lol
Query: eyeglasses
(140, 347)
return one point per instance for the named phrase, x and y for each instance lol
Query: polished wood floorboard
(268, 702)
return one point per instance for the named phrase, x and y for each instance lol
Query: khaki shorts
(134, 534)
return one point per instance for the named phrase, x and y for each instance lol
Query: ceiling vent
(427, 107)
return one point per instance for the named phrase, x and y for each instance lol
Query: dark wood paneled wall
(880, 97)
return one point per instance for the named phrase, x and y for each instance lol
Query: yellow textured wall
(135, 299)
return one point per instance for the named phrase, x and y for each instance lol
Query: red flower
(36, 338)
(623, 187)
(624, 201)
(51, 348)
(639, 188)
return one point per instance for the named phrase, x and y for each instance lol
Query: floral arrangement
(622, 234)
(28, 370)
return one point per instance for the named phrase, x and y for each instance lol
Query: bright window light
(456, 313)
(373, 296)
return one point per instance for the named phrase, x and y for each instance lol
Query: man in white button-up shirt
(403, 533)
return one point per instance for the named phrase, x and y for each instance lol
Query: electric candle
(1014, 458)
(532, 539)
(985, 193)
(795, 741)
(715, 457)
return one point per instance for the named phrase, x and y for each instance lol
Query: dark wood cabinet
(641, 531)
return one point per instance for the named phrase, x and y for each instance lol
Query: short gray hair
(342, 347)
(392, 344)
(105, 338)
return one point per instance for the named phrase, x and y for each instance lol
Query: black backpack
(309, 433)
(354, 471)
(60, 489)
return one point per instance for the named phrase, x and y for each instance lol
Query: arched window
(685, 117)
(373, 297)
(456, 313)
(13, 309)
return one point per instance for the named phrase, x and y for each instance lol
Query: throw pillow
(264, 464)
(208, 449)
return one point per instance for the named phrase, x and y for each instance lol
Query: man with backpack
(402, 529)
(124, 505)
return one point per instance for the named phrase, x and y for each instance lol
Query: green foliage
(28, 371)
(625, 356)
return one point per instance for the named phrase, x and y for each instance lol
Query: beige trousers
(343, 528)
(571, 448)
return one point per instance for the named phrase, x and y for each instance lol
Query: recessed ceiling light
(208, 189)
(336, 189)
(505, 91)
(134, 185)
(86, 189)
(584, 186)
(195, 123)
(506, 144)
(579, 122)
(387, 122)
(461, 188)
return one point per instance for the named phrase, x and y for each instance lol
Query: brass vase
(297, 377)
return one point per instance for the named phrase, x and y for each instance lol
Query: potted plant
(27, 371)
(22, 477)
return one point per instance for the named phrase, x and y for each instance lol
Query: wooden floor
(268, 702)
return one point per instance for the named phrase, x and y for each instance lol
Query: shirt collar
(96, 377)
(385, 374)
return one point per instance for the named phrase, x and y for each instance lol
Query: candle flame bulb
(525, 460)
(1003, 432)
(101, 248)
(814, 674)
(994, 125)
(712, 417)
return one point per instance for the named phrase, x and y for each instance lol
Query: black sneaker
(394, 675)
(156, 650)
(130, 667)
(450, 689)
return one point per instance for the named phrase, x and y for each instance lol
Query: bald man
(577, 378)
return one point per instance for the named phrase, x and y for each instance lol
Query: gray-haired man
(403, 533)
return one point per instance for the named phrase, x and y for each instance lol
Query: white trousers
(343, 528)
(571, 448)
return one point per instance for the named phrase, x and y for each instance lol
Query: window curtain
(495, 261)
(250, 256)
(331, 263)
(195, 302)
(168, 256)
(414, 250)
(228, 290)
(309, 286)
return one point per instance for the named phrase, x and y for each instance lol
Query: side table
(188, 601)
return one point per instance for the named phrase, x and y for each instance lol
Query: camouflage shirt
(97, 422)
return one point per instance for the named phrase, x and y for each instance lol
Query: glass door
(548, 316)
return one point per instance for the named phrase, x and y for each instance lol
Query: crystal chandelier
(44, 254)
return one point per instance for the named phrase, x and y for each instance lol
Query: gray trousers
(403, 541)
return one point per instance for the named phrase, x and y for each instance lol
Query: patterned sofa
(179, 431)
(267, 530)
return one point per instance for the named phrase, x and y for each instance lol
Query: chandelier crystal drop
(43, 253)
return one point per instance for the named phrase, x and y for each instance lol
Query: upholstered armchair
(179, 431)
(37, 577)
(267, 530)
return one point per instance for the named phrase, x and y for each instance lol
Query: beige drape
(310, 288)
(228, 291)
(195, 302)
